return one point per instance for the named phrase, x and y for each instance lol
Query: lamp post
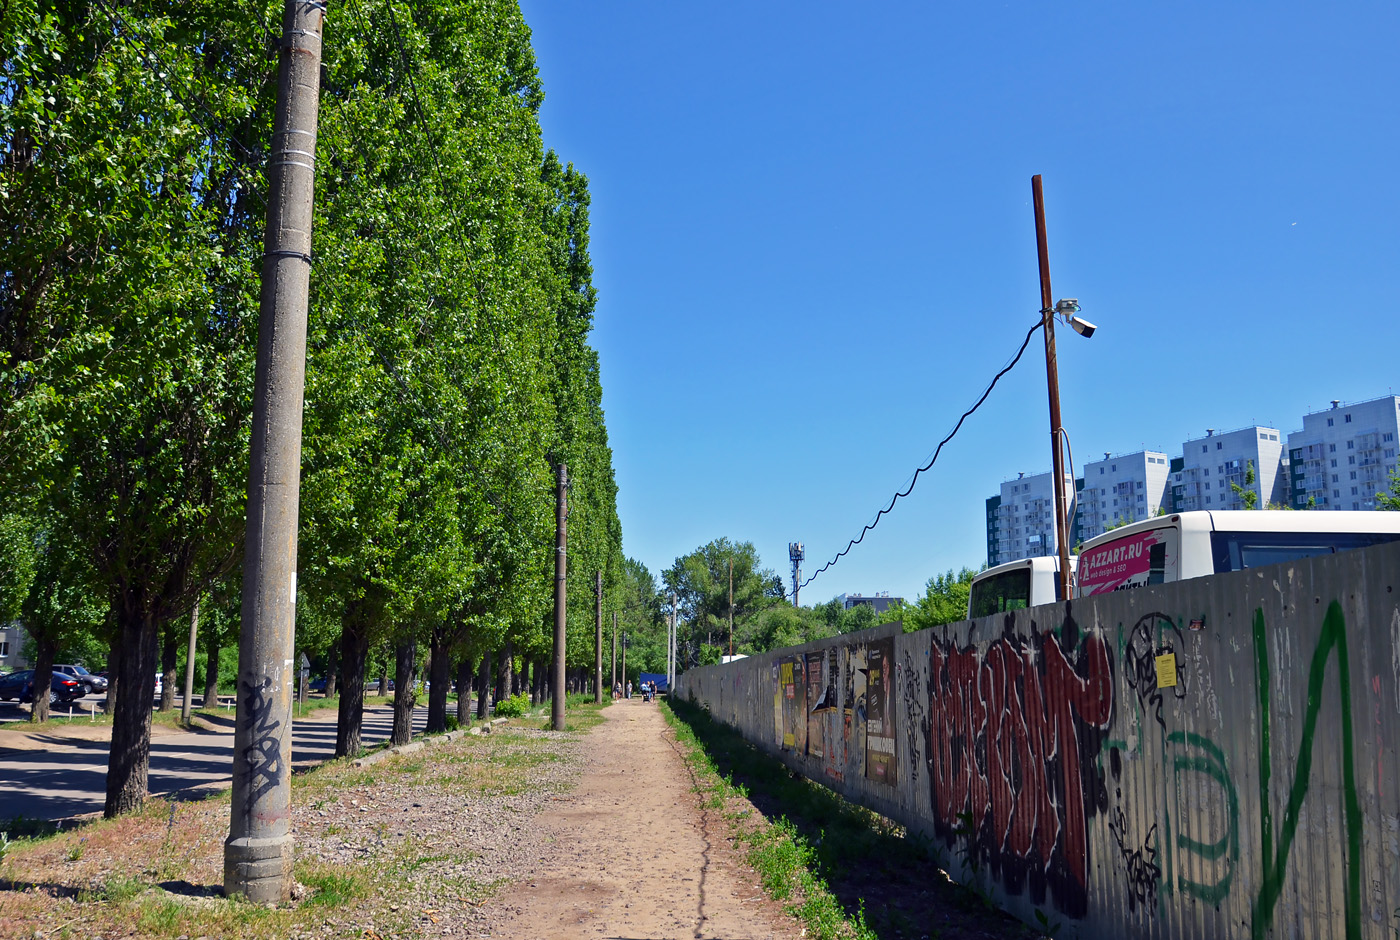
(1067, 309)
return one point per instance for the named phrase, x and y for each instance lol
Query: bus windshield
(1236, 551)
(1010, 590)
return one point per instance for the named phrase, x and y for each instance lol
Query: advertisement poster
(879, 712)
(792, 717)
(840, 702)
(1130, 562)
(821, 698)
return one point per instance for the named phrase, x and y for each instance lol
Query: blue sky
(813, 245)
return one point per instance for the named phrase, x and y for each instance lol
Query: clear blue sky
(813, 246)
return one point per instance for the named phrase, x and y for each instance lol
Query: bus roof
(1263, 520)
(1052, 560)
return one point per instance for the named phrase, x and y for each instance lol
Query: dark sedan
(15, 684)
(89, 681)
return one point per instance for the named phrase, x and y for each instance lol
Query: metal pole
(189, 663)
(1052, 376)
(258, 853)
(598, 647)
(561, 593)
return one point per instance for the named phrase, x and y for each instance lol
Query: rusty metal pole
(1052, 375)
(258, 852)
(598, 647)
(561, 594)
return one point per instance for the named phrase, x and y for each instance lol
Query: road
(51, 776)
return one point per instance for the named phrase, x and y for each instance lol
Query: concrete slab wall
(1211, 758)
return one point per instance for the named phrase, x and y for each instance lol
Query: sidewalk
(632, 853)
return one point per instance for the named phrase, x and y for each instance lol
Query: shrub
(513, 707)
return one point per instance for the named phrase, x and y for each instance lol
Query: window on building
(4, 648)
(1206, 472)
(1334, 478)
(1331, 448)
(1207, 486)
(1353, 491)
(1336, 493)
(1115, 468)
(1219, 445)
(1351, 445)
(1207, 499)
(1100, 471)
(1355, 505)
(1351, 459)
(1204, 448)
(1388, 437)
(1329, 422)
(1353, 474)
(1348, 419)
(1334, 461)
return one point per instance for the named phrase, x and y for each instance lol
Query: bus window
(1010, 590)
(1236, 551)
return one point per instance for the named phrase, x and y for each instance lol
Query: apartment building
(1024, 523)
(1210, 464)
(1344, 455)
(12, 639)
(1122, 489)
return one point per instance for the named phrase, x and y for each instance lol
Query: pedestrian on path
(629, 689)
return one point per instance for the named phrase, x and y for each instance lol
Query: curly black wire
(898, 496)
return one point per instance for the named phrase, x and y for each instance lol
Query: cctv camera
(1082, 326)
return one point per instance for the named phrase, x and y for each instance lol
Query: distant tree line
(448, 365)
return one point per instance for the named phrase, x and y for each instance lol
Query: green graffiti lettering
(1276, 862)
(1211, 763)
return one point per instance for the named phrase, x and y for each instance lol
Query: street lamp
(1068, 310)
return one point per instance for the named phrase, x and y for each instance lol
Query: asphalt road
(68, 776)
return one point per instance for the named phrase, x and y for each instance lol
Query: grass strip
(785, 858)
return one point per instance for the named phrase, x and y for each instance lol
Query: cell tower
(795, 555)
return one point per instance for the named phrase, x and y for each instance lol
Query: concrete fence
(1210, 758)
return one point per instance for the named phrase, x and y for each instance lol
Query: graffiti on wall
(1015, 728)
(879, 712)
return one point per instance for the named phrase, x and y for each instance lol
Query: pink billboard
(1132, 561)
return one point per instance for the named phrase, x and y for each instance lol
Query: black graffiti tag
(263, 755)
(1140, 661)
(1140, 864)
(911, 685)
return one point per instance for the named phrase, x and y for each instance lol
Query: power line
(910, 488)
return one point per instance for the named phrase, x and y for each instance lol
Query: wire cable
(932, 460)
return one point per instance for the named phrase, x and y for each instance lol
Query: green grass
(333, 888)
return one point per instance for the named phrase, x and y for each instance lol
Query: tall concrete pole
(614, 653)
(731, 608)
(561, 593)
(598, 647)
(1052, 376)
(189, 664)
(672, 677)
(258, 852)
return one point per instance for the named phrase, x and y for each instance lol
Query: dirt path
(633, 855)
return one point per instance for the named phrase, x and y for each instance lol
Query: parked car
(61, 689)
(14, 684)
(91, 681)
(318, 685)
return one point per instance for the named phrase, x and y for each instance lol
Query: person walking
(629, 689)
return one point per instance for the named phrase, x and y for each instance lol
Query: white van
(1026, 582)
(1193, 544)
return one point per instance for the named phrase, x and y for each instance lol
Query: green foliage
(1391, 500)
(514, 707)
(1247, 495)
(944, 600)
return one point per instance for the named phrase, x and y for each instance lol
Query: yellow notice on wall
(1166, 670)
(789, 740)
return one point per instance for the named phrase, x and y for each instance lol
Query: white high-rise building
(1121, 489)
(1025, 523)
(1211, 463)
(1345, 455)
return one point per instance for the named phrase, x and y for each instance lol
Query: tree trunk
(169, 659)
(44, 650)
(404, 653)
(503, 673)
(354, 646)
(464, 691)
(483, 685)
(113, 657)
(129, 758)
(439, 678)
(211, 669)
(384, 678)
(332, 672)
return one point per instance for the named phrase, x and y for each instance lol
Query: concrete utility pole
(561, 593)
(598, 647)
(731, 608)
(1052, 374)
(672, 642)
(624, 664)
(189, 664)
(614, 655)
(258, 852)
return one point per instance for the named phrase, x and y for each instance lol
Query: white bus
(1026, 582)
(1193, 544)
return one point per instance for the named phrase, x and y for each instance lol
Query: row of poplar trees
(448, 366)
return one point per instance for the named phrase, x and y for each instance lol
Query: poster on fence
(879, 712)
(838, 704)
(817, 702)
(787, 705)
